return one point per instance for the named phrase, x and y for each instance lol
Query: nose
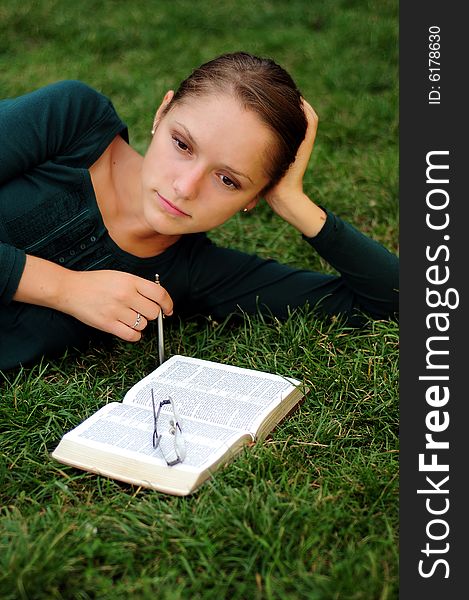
(187, 181)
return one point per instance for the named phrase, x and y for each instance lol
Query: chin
(164, 226)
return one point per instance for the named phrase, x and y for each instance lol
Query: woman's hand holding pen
(112, 301)
(287, 198)
(115, 302)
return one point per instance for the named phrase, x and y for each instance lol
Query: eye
(229, 183)
(180, 145)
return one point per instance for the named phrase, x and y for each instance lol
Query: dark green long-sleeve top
(49, 139)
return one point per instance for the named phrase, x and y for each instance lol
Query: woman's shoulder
(63, 118)
(63, 95)
(75, 92)
(74, 88)
(67, 87)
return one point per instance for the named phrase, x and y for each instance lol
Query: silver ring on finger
(137, 321)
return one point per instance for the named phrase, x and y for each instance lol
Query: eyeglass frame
(175, 426)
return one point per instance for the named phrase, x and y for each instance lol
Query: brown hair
(262, 86)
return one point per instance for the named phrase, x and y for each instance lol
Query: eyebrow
(227, 167)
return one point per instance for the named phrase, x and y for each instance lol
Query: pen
(160, 329)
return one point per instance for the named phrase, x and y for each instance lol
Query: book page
(127, 431)
(214, 393)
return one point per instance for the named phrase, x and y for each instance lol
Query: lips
(169, 207)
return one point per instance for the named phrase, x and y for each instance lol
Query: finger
(157, 293)
(133, 319)
(140, 322)
(147, 308)
(309, 110)
(125, 332)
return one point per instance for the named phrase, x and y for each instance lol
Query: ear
(252, 204)
(166, 100)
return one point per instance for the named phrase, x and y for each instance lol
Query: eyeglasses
(172, 444)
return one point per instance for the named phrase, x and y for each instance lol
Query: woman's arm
(106, 300)
(70, 123)
(369, 273)
(67, 122)
(287, 198)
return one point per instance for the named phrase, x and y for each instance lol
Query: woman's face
(205, 163)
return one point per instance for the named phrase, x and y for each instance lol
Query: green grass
(313, 511)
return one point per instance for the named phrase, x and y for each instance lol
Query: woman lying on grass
(86, 221)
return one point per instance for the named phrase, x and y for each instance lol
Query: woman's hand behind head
(291, 183)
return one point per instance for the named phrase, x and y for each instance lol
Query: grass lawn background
(313, 511)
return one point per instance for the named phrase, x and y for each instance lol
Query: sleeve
(225, 281)
(369, 271)
(51, 122)
(12, 262)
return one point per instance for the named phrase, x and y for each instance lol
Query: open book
(220, 409)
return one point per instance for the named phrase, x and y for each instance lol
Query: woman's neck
(117, 184)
